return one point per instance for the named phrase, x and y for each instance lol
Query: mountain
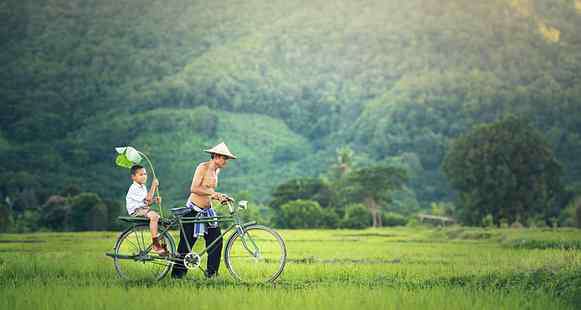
(284, 84)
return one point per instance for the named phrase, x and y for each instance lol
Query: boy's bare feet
(158, 248)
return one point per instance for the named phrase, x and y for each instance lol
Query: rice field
(388, 268)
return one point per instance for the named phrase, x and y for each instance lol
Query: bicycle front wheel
(256, 255)
(133, 260)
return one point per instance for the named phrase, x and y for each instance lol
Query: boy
(138, 202)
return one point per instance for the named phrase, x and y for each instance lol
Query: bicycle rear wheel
(257, 255)
(133, 260)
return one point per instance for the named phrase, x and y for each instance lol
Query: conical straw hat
(221, 149)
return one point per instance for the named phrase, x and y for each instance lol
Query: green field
(390, 268)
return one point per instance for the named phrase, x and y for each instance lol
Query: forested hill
(284, 83)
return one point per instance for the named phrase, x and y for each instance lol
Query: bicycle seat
(180, 211)
(132, 219)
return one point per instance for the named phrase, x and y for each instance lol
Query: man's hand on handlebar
(222, 198)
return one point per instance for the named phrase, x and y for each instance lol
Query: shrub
(536, 222)
(516, 225)
(88, 212)
(357, 216)
(503, 223)
(578, 215)
(394, 219)
(5, 218)
(330, 218)
(301, 214)
(412, 222)
(488, 221)
(55, 214)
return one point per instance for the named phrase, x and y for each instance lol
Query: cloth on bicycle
(202, 213)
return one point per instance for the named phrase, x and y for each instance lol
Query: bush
(5, 218)
(357, 216)
(26, 222)
(488, 221)
(301, 214)
(516, 225)
(412, 222)
(394, 219)
(578, 215)
(55, 214)
(88, 212)
(442, 208)
(330, 218)
(259, 213)
(503, 223)
(536, 222)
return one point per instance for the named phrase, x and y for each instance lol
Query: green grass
(411, 268)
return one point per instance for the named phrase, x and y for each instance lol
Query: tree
(5, 218)
(373, 186)
(56, 214)
(506, 169)
(578, 215)
(306, 188)
(344, 163)
(88, 212)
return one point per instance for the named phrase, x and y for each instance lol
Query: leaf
(133, 155)
(128, 156)
(122, 161)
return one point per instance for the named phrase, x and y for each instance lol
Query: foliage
(357, 216)
(289, 83)
(506, 169)
(306, 188)
(391, 219)
(5, 218)
(300, 214)
(373, 186)
(578, 215)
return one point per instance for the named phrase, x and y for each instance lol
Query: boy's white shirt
(136, 196)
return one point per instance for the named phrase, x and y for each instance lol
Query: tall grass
(387, 268)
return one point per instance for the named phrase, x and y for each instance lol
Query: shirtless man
(202, 191)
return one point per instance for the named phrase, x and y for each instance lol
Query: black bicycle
(253, 253)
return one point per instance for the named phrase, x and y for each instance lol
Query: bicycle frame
(233, 218)
(248, 244)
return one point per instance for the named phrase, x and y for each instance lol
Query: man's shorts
(141, 211)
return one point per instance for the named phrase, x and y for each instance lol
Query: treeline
(285, 84)
(70, 210)
(505, 174)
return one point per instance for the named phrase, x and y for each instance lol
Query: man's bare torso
(207, 177)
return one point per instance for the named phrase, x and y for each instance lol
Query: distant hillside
(283, 83)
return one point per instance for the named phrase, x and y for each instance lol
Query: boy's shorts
(141, 211)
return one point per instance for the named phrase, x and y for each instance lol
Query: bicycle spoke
(134, 245)
(257, 256)
(142, 266)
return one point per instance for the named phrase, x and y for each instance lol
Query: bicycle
(253, 252)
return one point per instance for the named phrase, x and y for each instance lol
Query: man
(202, 192)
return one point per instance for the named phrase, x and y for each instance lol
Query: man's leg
(215, 252)
(179, 270)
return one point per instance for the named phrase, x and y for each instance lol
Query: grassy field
(396, 268)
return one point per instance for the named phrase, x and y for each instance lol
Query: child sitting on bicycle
(138, 200)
